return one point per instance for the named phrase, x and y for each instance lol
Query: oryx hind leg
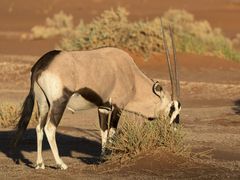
(43, 109)
(57, 108)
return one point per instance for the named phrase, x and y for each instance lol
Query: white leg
(43, 111)
(50, 131)
(104, 135)
(40, 164)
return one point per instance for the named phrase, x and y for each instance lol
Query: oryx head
(171, 106)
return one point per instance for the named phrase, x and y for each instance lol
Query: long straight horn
(177, 84)
(169, 64)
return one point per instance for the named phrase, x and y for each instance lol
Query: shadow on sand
(66, 145)
(236, 108)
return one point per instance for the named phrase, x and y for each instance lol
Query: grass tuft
(136, 136)
(10, 114)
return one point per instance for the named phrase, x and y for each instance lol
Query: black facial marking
(177, 119)
(172, 109)
(179, 105)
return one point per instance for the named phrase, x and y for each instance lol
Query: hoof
(62, 166)
(40, 166)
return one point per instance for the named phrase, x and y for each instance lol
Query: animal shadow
(89, 149)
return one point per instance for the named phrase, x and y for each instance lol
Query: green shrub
(137, 136)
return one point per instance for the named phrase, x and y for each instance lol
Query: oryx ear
(157, 89)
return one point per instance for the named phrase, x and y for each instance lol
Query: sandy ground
(210, 97)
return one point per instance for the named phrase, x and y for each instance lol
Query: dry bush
(10, 113)
(102, 31)
(198, 36)
(137, 136)
(112, 28)
(60, 24)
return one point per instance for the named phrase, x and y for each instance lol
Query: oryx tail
(26, 113)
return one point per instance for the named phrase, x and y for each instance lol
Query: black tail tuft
(26, 114)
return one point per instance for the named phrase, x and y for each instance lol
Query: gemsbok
(106, 78)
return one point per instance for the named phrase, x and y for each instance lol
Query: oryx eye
(157, 89)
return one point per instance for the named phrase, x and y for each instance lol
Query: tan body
(109, 72)
(105, 78)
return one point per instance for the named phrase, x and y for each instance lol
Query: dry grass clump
(10, 113)
(136, 136)
(112, 28)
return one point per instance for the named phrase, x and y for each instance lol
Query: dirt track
(210, 98)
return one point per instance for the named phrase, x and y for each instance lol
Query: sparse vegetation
(138, 136)
(60, 24)
(10, 113)
(112, 28)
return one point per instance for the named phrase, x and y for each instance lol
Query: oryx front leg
(50, 129)
(104, 114)
(115, 115)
